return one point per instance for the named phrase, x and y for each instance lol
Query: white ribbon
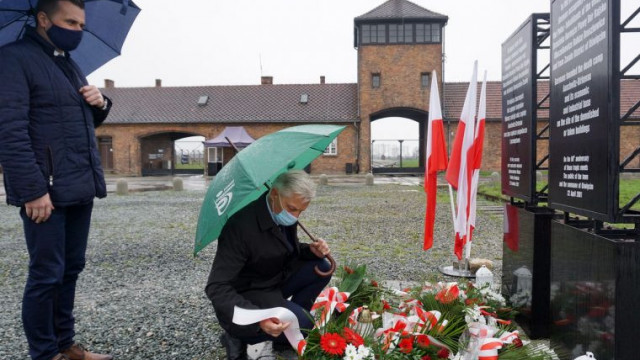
(249, 316)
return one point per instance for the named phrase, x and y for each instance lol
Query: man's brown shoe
(78, 352)
(60, 357)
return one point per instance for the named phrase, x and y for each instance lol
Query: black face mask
(64, 39)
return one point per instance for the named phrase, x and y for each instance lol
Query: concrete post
(369, 179)
(178, 184)
(122, 187)
(324, 180)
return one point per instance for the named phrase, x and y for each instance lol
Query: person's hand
(39, 209)
(320, 248)
(92, 96)
(273, 326)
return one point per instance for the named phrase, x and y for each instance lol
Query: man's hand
(273, 326)
(320, 248)
(92, 96)
(39, 209)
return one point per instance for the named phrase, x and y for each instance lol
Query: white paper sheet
(249, 316)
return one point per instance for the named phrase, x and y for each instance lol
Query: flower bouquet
(360, 319)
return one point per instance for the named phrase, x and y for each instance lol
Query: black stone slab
(595, 294)
(526, 266)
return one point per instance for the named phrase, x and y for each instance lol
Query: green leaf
(352, 281)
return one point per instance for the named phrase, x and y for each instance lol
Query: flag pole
(457, 176)
(453, 206)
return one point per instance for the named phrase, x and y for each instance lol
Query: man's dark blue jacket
(47, 130)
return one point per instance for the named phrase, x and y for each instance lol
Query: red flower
(423, 341)
(333, 344)
(385, 305)
(374, 283)
(517, 342)
(426, 357)
(406, 345)
(352, 337)
(448, 294)
(348, 270)
(443, 353)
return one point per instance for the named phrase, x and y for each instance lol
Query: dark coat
(252, 261)
(47, 141)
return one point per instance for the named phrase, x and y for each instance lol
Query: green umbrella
(251, 171)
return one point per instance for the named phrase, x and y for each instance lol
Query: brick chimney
(266, 80)
(109, 84)
(322, 79)
(158, 83)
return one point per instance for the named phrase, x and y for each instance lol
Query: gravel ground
(141, 295)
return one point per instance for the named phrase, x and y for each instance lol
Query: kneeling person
(260, 264)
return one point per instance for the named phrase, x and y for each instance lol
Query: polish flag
(458, 171)
(475, 154)
(436, 159)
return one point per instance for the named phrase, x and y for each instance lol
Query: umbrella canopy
(107, 25)
(237, 134)
(252, 171)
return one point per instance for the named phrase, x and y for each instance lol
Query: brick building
(399, 44)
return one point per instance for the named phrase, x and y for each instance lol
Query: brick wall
(127, 148)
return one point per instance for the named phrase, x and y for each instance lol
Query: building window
(435, 33)
(424, 80)
(374, 34)
(428, 33)
(382, 34)
(215, 155)
(366, 34)
(408, 33)
(419, 33)
(332, 149)
(395, 33)
(375, 80)
(400, 33)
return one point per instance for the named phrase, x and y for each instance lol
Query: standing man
(52, 170)
(261, 264)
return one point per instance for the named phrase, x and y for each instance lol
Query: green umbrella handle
(328, 256)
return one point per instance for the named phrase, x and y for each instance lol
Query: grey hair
(295, 182)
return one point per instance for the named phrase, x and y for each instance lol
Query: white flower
(360, 353)
(365, 352)
(491, 295)
(472, 314)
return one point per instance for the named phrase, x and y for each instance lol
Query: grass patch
(409, 163)
(629, 188)
(189, 166)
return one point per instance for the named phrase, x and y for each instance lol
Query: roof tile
(400, 9)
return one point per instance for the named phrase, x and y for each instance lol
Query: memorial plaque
(583, 118)
(518, 114)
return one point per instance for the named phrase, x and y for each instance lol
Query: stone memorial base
(526, 267)
(595, 293)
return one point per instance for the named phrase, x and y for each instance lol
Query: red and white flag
(459, 169)
(475, 154)
(436, 159)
